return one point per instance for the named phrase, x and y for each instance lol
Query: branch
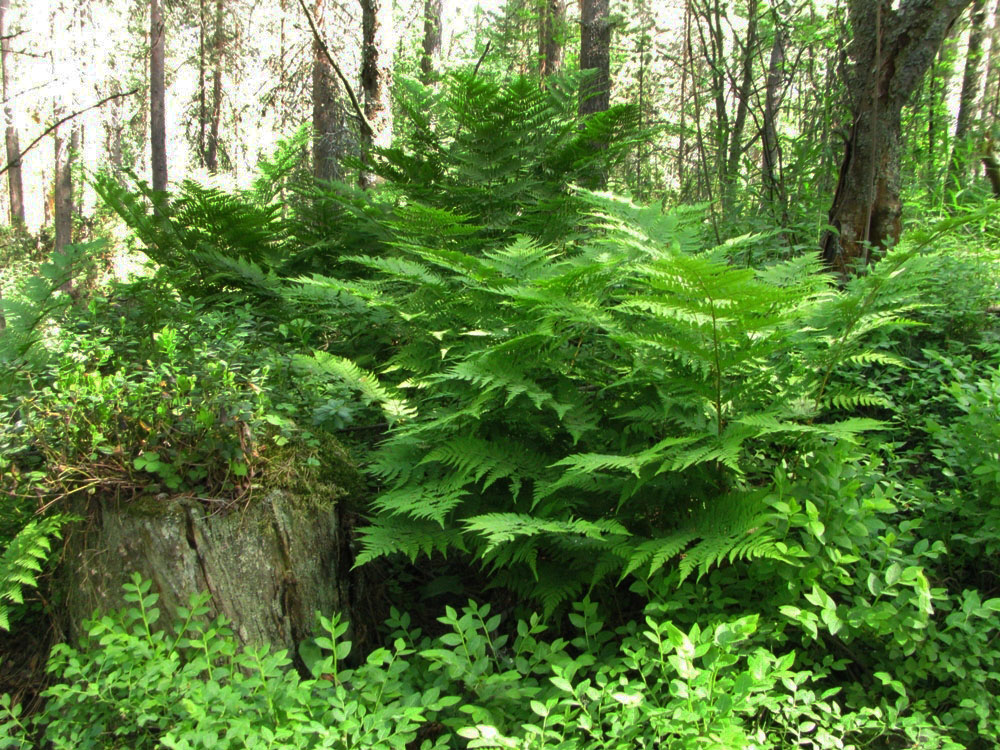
(59, 122)
(482, 57)
(365, 125)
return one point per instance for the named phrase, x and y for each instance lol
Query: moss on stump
(269, 564)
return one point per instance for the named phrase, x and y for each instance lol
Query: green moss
(319, 473)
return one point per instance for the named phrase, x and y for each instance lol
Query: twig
(59, 122)
(482, 57)
(365, 125)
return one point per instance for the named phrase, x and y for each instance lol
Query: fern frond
(22, 560)
(322, 362)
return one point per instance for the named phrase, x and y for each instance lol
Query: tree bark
(595, 56)
(970, 94)
(327, 121)
(113, 132)
(65, 152)
(732, 163)
(268, 567)
(218, 54)
(431, 41)
(890, 52)
(551, 32)
(774, 187)
(157, 93)
(202, 92)
(376, 79)
(990, 107)
(14, 184)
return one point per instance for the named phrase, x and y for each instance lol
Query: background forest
(523, 374)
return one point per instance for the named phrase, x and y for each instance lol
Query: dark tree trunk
(327, 121)
(376, 78)
(551, 32)
(157, 107)
(218, 53)
(891, 51)
(774, 188)
(14, 183)
(595, 56)
(431, 41)
(732, 164)
(970, 94)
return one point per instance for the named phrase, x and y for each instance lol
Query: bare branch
(365, 125)
(60, 121)
(482, 57)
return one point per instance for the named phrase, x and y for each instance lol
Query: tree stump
(268, 564)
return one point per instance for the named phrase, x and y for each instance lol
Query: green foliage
(32, 305)
(131, 686)
(201, 405)
(604, 408)
(22, 560)
(647, 683)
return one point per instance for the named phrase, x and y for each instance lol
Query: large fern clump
(570, 412)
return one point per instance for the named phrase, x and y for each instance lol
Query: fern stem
(718, 373)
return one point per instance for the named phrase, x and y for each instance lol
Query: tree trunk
(157, 106)
(990, 107)
(431, 42)
(774, 188)
(202, 93)
(65, 153)
(113, 132)
(595, 56)
(891, 51)
(551, 32)
(218, 52)
(327, 121)
(376, 79)
(14, 183)
(732, 164)
(970, 94)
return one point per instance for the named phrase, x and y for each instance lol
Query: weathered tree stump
(269, 563)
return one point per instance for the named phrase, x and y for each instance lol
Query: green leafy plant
(604, 409)
(648, 683)
(22, 560)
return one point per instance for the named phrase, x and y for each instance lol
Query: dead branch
(60, 121)
(365, 125)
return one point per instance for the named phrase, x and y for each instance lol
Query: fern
(21, 562)
(35, 304)
(574, 406)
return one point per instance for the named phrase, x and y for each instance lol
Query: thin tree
(218, 55)
(326, 118)
(551, 33)
(202, 78)
(157, 94)
(376, 79)
(14, 183)
(431, 42)
(65, 152)
(748, 50)
(891, 50)
(969, 98)
(774, 187)
(990, 103)
(595, 56)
